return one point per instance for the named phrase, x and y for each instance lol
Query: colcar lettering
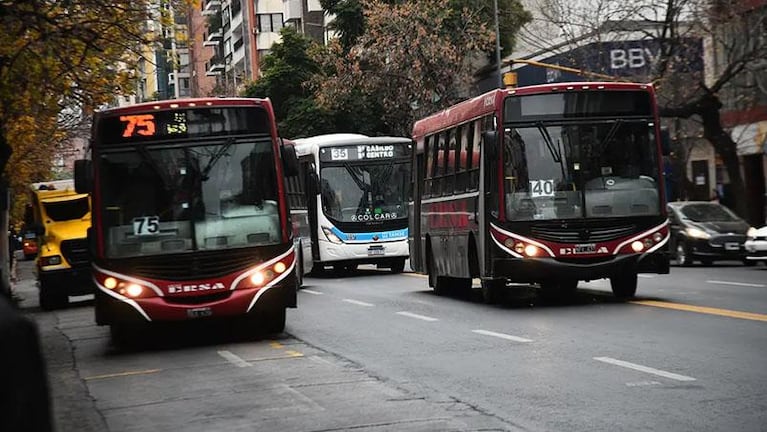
(366, 217)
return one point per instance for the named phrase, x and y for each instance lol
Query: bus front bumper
(113, 309)
(75, 281)
(526, 270)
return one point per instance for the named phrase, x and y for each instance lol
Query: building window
(270, 23)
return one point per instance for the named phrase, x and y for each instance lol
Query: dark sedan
(706, 231)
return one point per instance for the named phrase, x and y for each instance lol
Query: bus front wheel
(624, 285)
(398, 266)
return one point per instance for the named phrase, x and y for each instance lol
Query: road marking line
(416, 316)
(358, 303)
(291, 353)
(745, 284)
(703, 309)
(646, 276)
(122, 374)
(234, 359)
(275, 344)
(418, 275)
(308, 291)
(645, 369)
(502, 336)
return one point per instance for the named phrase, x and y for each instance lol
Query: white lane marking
(735, 283)
(502, 335)
(416, 316)
(358, 303)
(646, 276)
(642, 383)
(644, 369)
(233, 359)
(310, 292)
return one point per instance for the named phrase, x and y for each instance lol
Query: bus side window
(429, 149)
(450, 163)
(475, 131)
(464, 159)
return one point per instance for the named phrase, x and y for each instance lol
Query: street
(375, 351)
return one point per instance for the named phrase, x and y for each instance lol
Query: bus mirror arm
(83, 176)
(289, 159)
(314, 183)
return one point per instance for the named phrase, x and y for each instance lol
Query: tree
(413, 59)
(734, 34)
(350, 19)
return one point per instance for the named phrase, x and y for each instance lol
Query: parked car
(29, 244)
(706, 231)
(756, 245)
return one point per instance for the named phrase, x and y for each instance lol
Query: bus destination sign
(362, 152)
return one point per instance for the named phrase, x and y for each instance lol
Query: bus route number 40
(146, 225)
(540, 188)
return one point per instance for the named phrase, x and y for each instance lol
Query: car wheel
(683, 257)
(398, 266)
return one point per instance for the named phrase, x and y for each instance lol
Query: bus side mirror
(665, 142)
(289, 160)
(83, 176)
(490, 143)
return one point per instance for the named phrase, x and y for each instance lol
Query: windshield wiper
(610, 135)
(220, 152)
(549, 143)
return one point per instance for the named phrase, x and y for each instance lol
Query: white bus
(349, 203)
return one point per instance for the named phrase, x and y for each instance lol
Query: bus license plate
(375, 251)
(732, 246)
(199, 312)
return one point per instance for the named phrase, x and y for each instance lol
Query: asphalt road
(374, 351)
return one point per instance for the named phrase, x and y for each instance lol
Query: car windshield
(708, 212)
(601, 169)
(60, 211)
(158, 200)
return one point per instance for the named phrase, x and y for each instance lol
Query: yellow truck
(61, 218)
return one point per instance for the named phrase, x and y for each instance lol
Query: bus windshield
(605, 168)
(364, 192)
(159, 200)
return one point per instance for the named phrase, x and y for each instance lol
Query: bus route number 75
(146, 225)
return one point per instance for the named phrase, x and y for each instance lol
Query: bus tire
(273, 321)
(398, 265)
(492, 290)
(121, 335)
(624, 285)
(52, 297)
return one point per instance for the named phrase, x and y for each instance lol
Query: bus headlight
(331, 237)
(637, 246)
(531, 250)
(127, 288)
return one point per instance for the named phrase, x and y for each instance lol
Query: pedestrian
(24, 398)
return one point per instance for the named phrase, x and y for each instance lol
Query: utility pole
(499, 78)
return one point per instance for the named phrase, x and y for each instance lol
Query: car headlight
(50, 260)
(751, 234)
(697, 233)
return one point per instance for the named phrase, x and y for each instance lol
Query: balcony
(213, 38)
(215, 66)
(212, 7)
(293, 10)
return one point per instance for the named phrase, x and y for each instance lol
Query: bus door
(312, 191)
(415, 242)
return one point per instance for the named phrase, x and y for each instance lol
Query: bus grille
(76, 252)
(579, 233)
(194, 266)
(200, 299)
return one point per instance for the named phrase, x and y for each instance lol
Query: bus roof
(488, 102)
(305, 146)
(184, 103)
